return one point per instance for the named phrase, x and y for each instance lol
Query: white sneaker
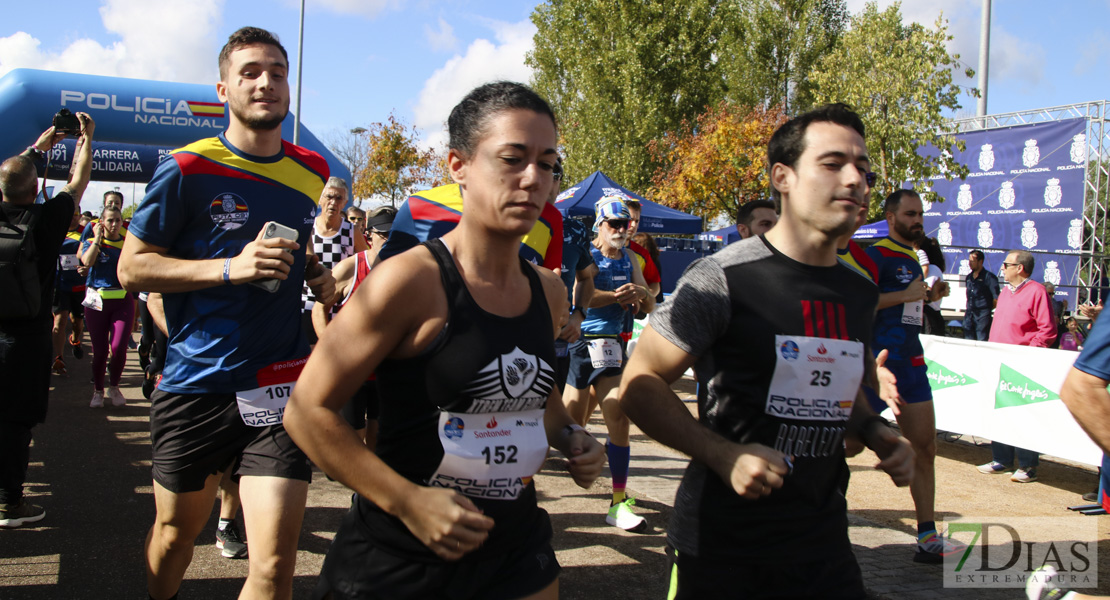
(621, 515)
(116, 396)
(97, 400)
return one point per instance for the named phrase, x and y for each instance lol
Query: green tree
(769, 48)
(395, 165)
(718, 163)
(900, 80)
(620, 73)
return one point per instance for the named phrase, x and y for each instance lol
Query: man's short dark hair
(978, 254)
(894, 200)
(634, 204)
(112, 193)
(469, 118)
(788, 141)
(1025, 259)
(18, 180)
(744, 214)
(247, 36)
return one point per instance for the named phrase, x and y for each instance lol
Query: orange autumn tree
(718, 164)
(395, 166)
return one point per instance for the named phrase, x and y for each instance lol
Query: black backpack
(19, 271)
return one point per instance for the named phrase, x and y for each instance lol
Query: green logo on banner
(941, 377)
(637, 329)
(1015, 389)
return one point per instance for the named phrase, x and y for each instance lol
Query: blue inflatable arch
(137, 121)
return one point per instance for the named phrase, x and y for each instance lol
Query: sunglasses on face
(871, 178)
(617, 223)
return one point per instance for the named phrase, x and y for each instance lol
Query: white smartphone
(274, 230)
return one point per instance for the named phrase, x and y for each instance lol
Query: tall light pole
(300, 63)
(984, 60)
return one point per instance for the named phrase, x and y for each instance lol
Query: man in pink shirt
(1023, 317)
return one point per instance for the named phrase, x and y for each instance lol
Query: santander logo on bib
(492, 423)
(821, 352)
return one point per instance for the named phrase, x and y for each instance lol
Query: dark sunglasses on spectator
(871, 178)
(617, 223)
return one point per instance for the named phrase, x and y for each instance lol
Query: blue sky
(367, 58)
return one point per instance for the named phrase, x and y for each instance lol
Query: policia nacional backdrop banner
(1024, 191)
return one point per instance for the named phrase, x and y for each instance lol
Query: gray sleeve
(698, 311)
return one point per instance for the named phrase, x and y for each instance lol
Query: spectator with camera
(30, 241)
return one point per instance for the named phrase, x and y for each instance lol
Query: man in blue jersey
(597, 359)
(897, 325)
(200, 239)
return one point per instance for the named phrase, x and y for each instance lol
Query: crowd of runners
(429, 358)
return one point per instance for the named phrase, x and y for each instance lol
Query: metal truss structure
(1096, 183)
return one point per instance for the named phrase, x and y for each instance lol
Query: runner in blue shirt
(111, 310)
(200, 239)
(902, 296)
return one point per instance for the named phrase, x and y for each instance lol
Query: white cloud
(148, 46)
(366, 8)
(1011, 58)
(442, 39)
(484, 61)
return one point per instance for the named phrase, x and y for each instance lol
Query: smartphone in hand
(274, 230)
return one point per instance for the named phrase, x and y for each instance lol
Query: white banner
(1006, 393)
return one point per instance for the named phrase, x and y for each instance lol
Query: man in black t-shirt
(25, 344)
(763, 498)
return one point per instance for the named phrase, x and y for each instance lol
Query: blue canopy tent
(727, 234)
(872, 231)
(579, 199)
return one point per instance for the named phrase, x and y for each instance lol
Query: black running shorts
(836, 576)
(362, 406)
(356, 567)
(197, 435)
(69, 302)
(582, 373)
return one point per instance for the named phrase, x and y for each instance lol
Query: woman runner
(460, 332)
(110, 310)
